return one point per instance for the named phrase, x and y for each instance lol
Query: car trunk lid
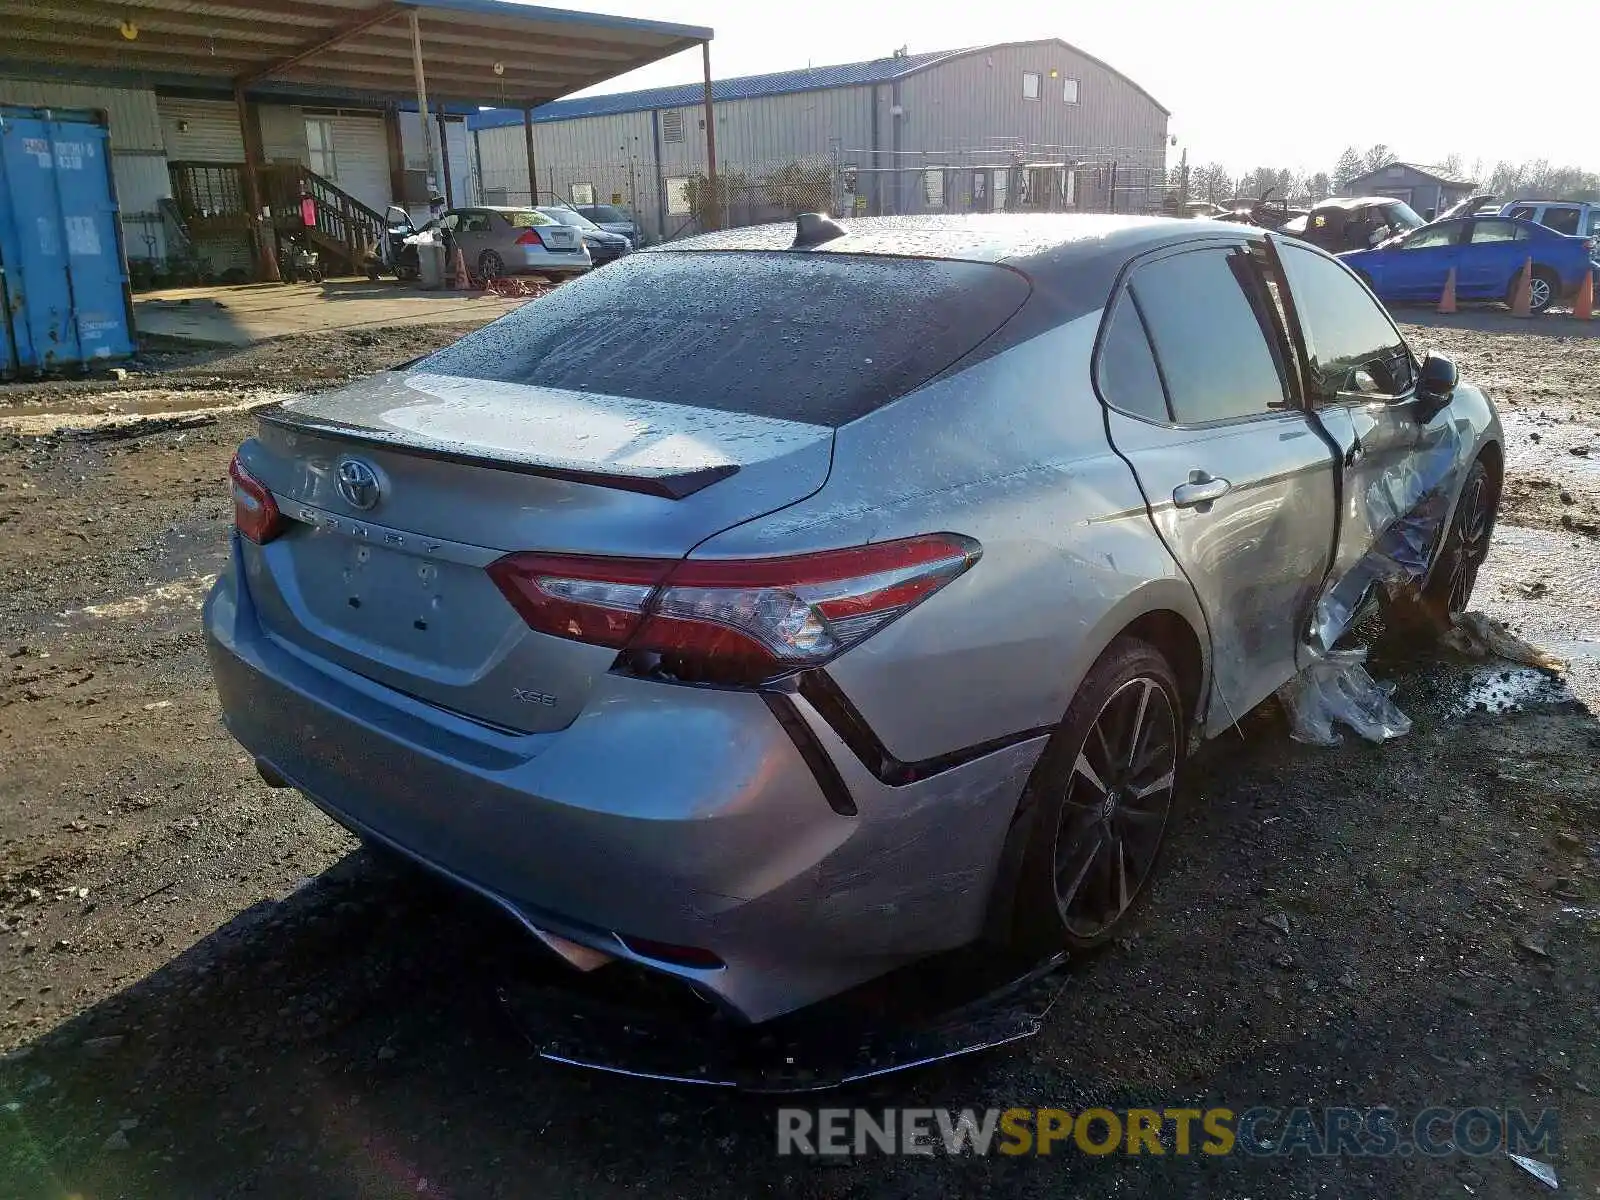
(400, 490)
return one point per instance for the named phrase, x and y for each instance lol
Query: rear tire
(1543, 290)
(490, 265)
(1102, 801)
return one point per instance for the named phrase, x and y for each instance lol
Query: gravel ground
(208, 991)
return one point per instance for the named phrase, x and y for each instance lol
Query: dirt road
(207, 991)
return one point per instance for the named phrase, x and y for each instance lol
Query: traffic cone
(459, 267)
(1447, 302)
(1583, 306)
(1522, 302)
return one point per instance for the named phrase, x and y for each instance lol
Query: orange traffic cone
(459, 268)
(1522, 302)
(1447, 302)
(1583, 306)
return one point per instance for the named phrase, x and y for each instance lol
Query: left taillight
(529, 237)
(733, 620)
(255, 512)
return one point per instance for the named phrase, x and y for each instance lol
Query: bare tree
(1377, 158)
(1347, 168)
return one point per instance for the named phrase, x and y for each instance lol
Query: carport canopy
(474, 51)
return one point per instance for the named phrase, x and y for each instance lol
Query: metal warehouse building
(1024, 125)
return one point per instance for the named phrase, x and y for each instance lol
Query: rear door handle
(1202, 488)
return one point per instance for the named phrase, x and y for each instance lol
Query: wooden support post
(444, 164)
(397, 153)
(533, 167)
(714, 208)
(262, 233)
(422, 101)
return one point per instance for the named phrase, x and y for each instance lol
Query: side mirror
(1436, 383)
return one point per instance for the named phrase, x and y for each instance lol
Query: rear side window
(1348, 331)
(1497, 231)
(1562, 220)
(1208, 339)
(1126, 371)
(820, 338)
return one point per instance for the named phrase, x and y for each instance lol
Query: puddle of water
(185, 593)
(93, 414)
(1498, 688)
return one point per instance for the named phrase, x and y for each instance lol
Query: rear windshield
(820, 338)
(527, 218)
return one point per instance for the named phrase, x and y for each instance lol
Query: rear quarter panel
(1011, 452)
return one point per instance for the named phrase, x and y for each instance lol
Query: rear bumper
(556, 261)
(683, 816)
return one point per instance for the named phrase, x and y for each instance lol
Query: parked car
(1341, 223)
(1564, 216)
(513, 241)
(603, 247)
(612, 219)
(1488, 254)
(711, 614)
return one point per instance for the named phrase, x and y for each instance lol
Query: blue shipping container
(64, 298)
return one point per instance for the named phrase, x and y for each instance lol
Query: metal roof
(355, 48)
(1436, 173)
(778, 83)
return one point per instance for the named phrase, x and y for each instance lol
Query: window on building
(1069, 91)
(319, 145)
(672, 125)
(582, 193)
(678, 196)
(933, 187)
(1030, 85)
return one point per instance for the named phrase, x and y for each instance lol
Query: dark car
(603, 245)
(1342, 223)
(1487, 254)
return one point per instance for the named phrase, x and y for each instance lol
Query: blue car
(1488, 254)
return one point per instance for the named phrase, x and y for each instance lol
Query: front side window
(1208, 338)
(1353, 345)
(1524, 212)
(1030, 85)
(1432, 238)
(1497, 231)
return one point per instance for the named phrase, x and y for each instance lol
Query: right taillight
(732, 620)
(255, 512)
(529, 237)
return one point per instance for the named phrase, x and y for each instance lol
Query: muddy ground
(207, 990)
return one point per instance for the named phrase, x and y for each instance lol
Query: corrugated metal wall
(138, 158)
(978, 99)
(200, 130)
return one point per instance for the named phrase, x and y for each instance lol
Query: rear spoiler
(667, 484)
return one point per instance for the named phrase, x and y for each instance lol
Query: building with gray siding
(1429, 190)
(1035, 124)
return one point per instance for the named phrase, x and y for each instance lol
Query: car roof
(1015, 239)
(1354, 201)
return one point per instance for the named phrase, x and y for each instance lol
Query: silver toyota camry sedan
(781, 606)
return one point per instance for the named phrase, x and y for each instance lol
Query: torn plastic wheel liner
(960, 1003)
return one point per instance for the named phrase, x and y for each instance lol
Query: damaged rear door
(1394, 466)
(1203, 404)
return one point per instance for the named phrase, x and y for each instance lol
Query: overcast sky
(1249, 82)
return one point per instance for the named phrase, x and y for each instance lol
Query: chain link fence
(845, 182)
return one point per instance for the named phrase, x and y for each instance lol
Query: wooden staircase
(210, 198)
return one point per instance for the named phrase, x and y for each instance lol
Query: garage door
(361, 157)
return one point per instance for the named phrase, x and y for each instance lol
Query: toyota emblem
(358, 483)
